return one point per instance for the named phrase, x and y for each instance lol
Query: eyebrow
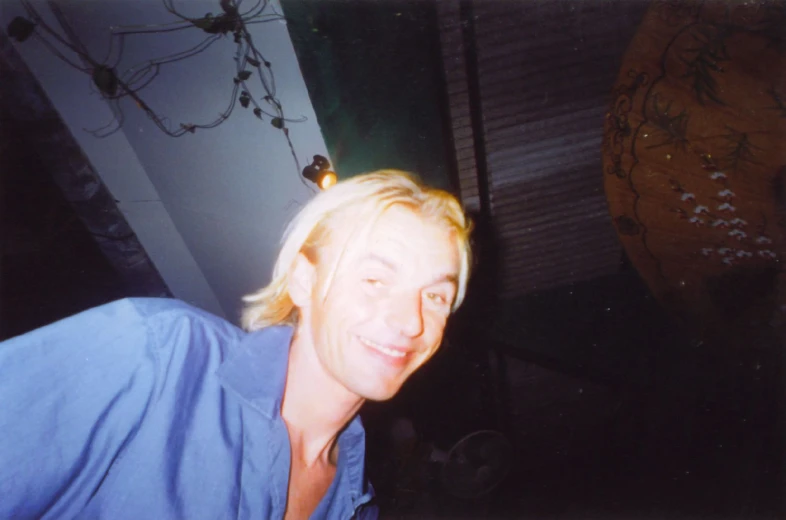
(373, 257)
(447, 277)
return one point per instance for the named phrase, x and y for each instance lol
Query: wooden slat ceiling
(545, 71)
(455, 65)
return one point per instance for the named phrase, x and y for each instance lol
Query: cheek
(428, 353)
(435, 329)
(347, 303)
(435, 324)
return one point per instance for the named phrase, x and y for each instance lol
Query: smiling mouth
(383, 349)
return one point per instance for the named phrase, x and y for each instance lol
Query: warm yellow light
(328, 180)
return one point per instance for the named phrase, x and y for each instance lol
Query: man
(149, 408)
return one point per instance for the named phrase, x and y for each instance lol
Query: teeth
(382, 348)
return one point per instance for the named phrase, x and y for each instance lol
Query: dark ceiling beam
(27, 110)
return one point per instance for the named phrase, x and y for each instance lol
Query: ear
(302, 281)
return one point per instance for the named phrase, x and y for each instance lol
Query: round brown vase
(694, 152)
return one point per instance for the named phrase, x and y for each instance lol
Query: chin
(378, 394)
(381, 398)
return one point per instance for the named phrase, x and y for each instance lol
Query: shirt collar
(258, 369)
(257, 374)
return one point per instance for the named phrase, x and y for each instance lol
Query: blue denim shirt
(150, 408)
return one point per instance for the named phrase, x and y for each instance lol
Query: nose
(405, 315)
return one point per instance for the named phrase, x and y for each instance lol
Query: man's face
(382, 313)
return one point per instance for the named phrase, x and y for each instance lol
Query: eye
(436, 298)
(373, 282)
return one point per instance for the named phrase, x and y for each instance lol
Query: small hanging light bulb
(319, 173)
(328, 180)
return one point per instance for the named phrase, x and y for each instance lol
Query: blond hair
(365, 197)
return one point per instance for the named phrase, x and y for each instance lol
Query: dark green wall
(374, 75)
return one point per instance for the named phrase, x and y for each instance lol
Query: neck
(316, 408)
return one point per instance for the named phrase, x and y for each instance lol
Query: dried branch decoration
(114, 85)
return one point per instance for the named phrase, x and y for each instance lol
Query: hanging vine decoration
(115, 86)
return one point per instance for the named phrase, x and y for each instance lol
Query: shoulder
(160, 316)
(155, 311)
(125, 329)
(170, 318)
(176, 329)
(122, 316)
